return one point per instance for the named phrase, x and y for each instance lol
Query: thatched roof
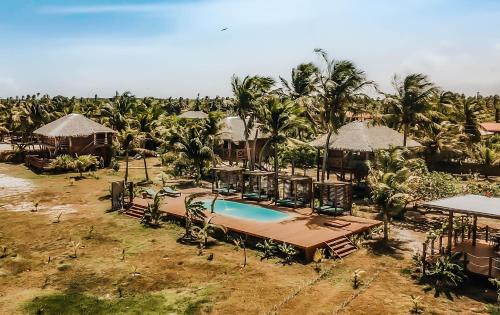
(233, 129)
(72, 125)
(363, 137)
(194, 114)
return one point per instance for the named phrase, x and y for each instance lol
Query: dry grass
(161, 275)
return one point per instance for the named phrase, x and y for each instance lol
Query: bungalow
(233, 134)
(357, 140)
(73, 134)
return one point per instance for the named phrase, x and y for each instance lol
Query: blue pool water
(246, 211)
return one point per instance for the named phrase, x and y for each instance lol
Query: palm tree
(246, 92)
(466, 111)
(194, 210)
(341, 83)
(389, 176)
(278, 117)
(192, 144)
(303, 81)
(126, 139)
(410, 105)
(118, 112)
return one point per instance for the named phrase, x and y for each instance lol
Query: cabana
(357, 140)
(482, 254)
(297, 191)
(227, 180)
(260, 185)
(333, 197)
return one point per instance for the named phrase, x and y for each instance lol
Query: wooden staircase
(135, 211)
(340, 247)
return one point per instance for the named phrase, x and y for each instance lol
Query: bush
(62, 163)
(66, 163)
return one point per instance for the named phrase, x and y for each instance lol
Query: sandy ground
(154, 262)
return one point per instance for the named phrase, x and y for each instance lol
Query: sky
(176, 48)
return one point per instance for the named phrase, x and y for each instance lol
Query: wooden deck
(304, 229)
(482, 258)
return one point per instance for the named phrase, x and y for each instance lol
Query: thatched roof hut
(362, 136)
(233, 129)
(72, 125)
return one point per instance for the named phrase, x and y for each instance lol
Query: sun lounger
(329, 210)
(170, 192)
(289, 202)
(255, 196)
(225, 191)
(150, 193)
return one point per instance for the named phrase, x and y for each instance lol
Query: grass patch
(177, 302)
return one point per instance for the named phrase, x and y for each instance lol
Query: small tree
(194, 210)
(152, 214)
(356, 278)
(268, 248)
(84, 162)
(389, 178)
(289, 252)
(202, 233)
(447, 272)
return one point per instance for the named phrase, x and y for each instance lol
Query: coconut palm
(191, 143)
(246, 92)
(389, 176)
(410, 105)
(194, 210)
(303, 81)
(341, 83)
(117, 113)
(278, 117)
(465, 114)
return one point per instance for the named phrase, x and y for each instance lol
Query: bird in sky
(224, 29)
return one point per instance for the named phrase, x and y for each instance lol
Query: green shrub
(63, 163)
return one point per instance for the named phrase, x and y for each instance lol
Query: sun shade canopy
(72, 125)
(469, 204)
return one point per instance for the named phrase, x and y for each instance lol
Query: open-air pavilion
(227, 180)
(333, 197)
(357, 140)
(296, 191)
(481, 249)
(260, 185)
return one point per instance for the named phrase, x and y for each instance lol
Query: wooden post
(487, 233)
(440, 244)
(317, 164)
(474, 230)
(432, 247)
(490, 267)
(450, 232)
(468, 231)
(424, 254)
(131, 192)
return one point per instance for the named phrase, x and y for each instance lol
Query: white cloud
(101, 9)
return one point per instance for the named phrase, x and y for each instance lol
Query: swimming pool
(246, 211)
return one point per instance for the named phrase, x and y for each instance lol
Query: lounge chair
(149, 192)
(225, 191)
(255, 196)
(288, 202)
(170, 192)
(329, 210)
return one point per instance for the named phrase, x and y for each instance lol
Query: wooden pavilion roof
(482, 206)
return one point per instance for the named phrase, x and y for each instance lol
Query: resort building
(233, 134)
(357, 141)
(73, 134)
(489, 128)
